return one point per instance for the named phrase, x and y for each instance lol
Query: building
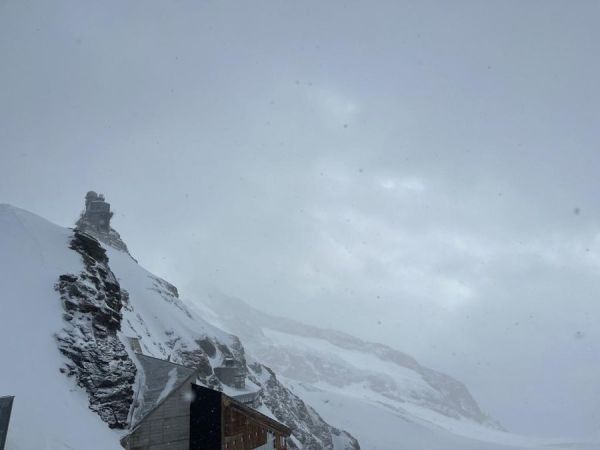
(231, 373)
(95, 221)
(173, 412)
(97, 212)
(5, 410)
(221, 422)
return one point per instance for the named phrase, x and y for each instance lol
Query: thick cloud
(420, 173)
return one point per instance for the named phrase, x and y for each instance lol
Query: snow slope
(167, 328)
(387, 399)
(69, 308)
(50, 412)
(389, 427)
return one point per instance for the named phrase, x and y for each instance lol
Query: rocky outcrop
(149, 309)
(95, 221)
(434, 390)
(92, 301)
(111, 237)
(309, 430)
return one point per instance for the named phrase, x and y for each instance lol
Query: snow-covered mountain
(72, 302)
(70, 306)
(386, 398)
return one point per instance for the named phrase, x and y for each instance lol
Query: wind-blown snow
(153, 314)
(408, 380)
(50, 412)
(52, 408)
(336, 374)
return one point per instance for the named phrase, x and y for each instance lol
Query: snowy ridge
(69, 306)
(69, 309)
(33, 255)
(310, 354)
(346, 379)
(167, 328)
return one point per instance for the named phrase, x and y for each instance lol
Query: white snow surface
(381, 426)
(335, 381)
(152, 316)
(50, 412)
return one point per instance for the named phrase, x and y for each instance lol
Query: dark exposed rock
(92, 302)
(197, 358)
(306, 424)
(208, 347)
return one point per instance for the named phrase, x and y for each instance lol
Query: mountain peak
(95, 220)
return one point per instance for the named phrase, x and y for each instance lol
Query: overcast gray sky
(425, 174)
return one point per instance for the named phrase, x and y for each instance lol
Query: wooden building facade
(220, 422)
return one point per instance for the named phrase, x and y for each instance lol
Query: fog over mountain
(421, 174)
